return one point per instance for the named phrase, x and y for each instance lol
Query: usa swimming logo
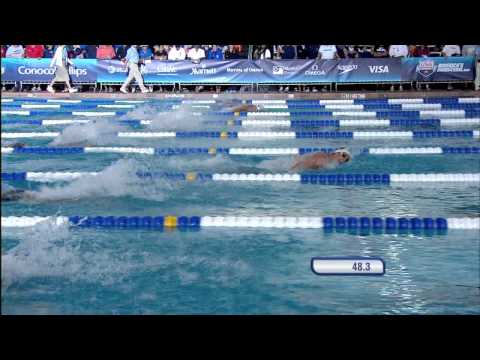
(426, 68)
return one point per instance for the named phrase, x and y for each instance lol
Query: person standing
(61, 62)
(132, 59)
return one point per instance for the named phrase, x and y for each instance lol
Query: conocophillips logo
(426, 68)
(203, 70)
(346, 68)
(314, 71)
(23, 70)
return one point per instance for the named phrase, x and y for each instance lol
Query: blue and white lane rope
(271, 134)
(185, 222)
(470, 113)
(319, 179)
(269, 123)
(427, 100)
(235, 151)
(72, 113)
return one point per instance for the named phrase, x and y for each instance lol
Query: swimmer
(12, 194)
(247, 108)
(15, 145)
(318, 161)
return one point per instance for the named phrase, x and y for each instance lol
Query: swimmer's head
(342, 155)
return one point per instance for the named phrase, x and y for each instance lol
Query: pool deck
(248, 95)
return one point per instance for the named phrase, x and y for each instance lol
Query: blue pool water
(57, 270)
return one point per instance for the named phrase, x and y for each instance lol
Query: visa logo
(376, 69)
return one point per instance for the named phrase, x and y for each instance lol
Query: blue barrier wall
(252, 72)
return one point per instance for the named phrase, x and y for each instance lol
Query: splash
(180, 118)
(119, 179)
(96, 132)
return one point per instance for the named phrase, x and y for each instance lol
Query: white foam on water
(118, 179)
(96, 132)
(279, 164)
(48, 250)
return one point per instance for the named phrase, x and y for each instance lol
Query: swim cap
(343, 150)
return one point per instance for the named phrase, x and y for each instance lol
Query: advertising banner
(251, 71)
(39, 70)
(456, 68)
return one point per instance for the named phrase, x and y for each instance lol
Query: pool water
(59, 270)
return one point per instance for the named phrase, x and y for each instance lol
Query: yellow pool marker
(236, 113)
(212, 151)
(224, 135)
(231, 122)
(170, 221)
(191, 176)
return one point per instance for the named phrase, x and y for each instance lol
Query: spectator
(15, 51)
(196, 53)
(3, 51)
(91, 51)
(350, 52)
(145, 53)
(176, 53)
(412, 51)
(398, 51)
(34, 51)
(421, 51)
(434, 50)
(105, 52)
(120, 51)
(78, 52)
(262, 53)
(327, 52)
(287, 51)
(48, 51)
(215, 53)
(380, 52)
(470, 50)
(451, 50)
(159, 52)
(365, 52)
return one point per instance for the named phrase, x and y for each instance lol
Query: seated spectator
(312, 51)
(15, 51)
(380, 52)
(196, 53)
(34, 51)
(451, 50)
(176, 53)
(350, 52)
(470, 50)
(262, 53)
(365, 52)
(120, 51)
(287, 51)
(215, 53)
(78, 52)
(327, 52)
(3, 51)
(159, 52)
(105, 52)
(145, 53)
(398, 51)
(434, 50)
(91, 52)
(48, 51)
(421, 51)
(412, 51)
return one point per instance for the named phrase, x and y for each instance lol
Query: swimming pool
(61, 269)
